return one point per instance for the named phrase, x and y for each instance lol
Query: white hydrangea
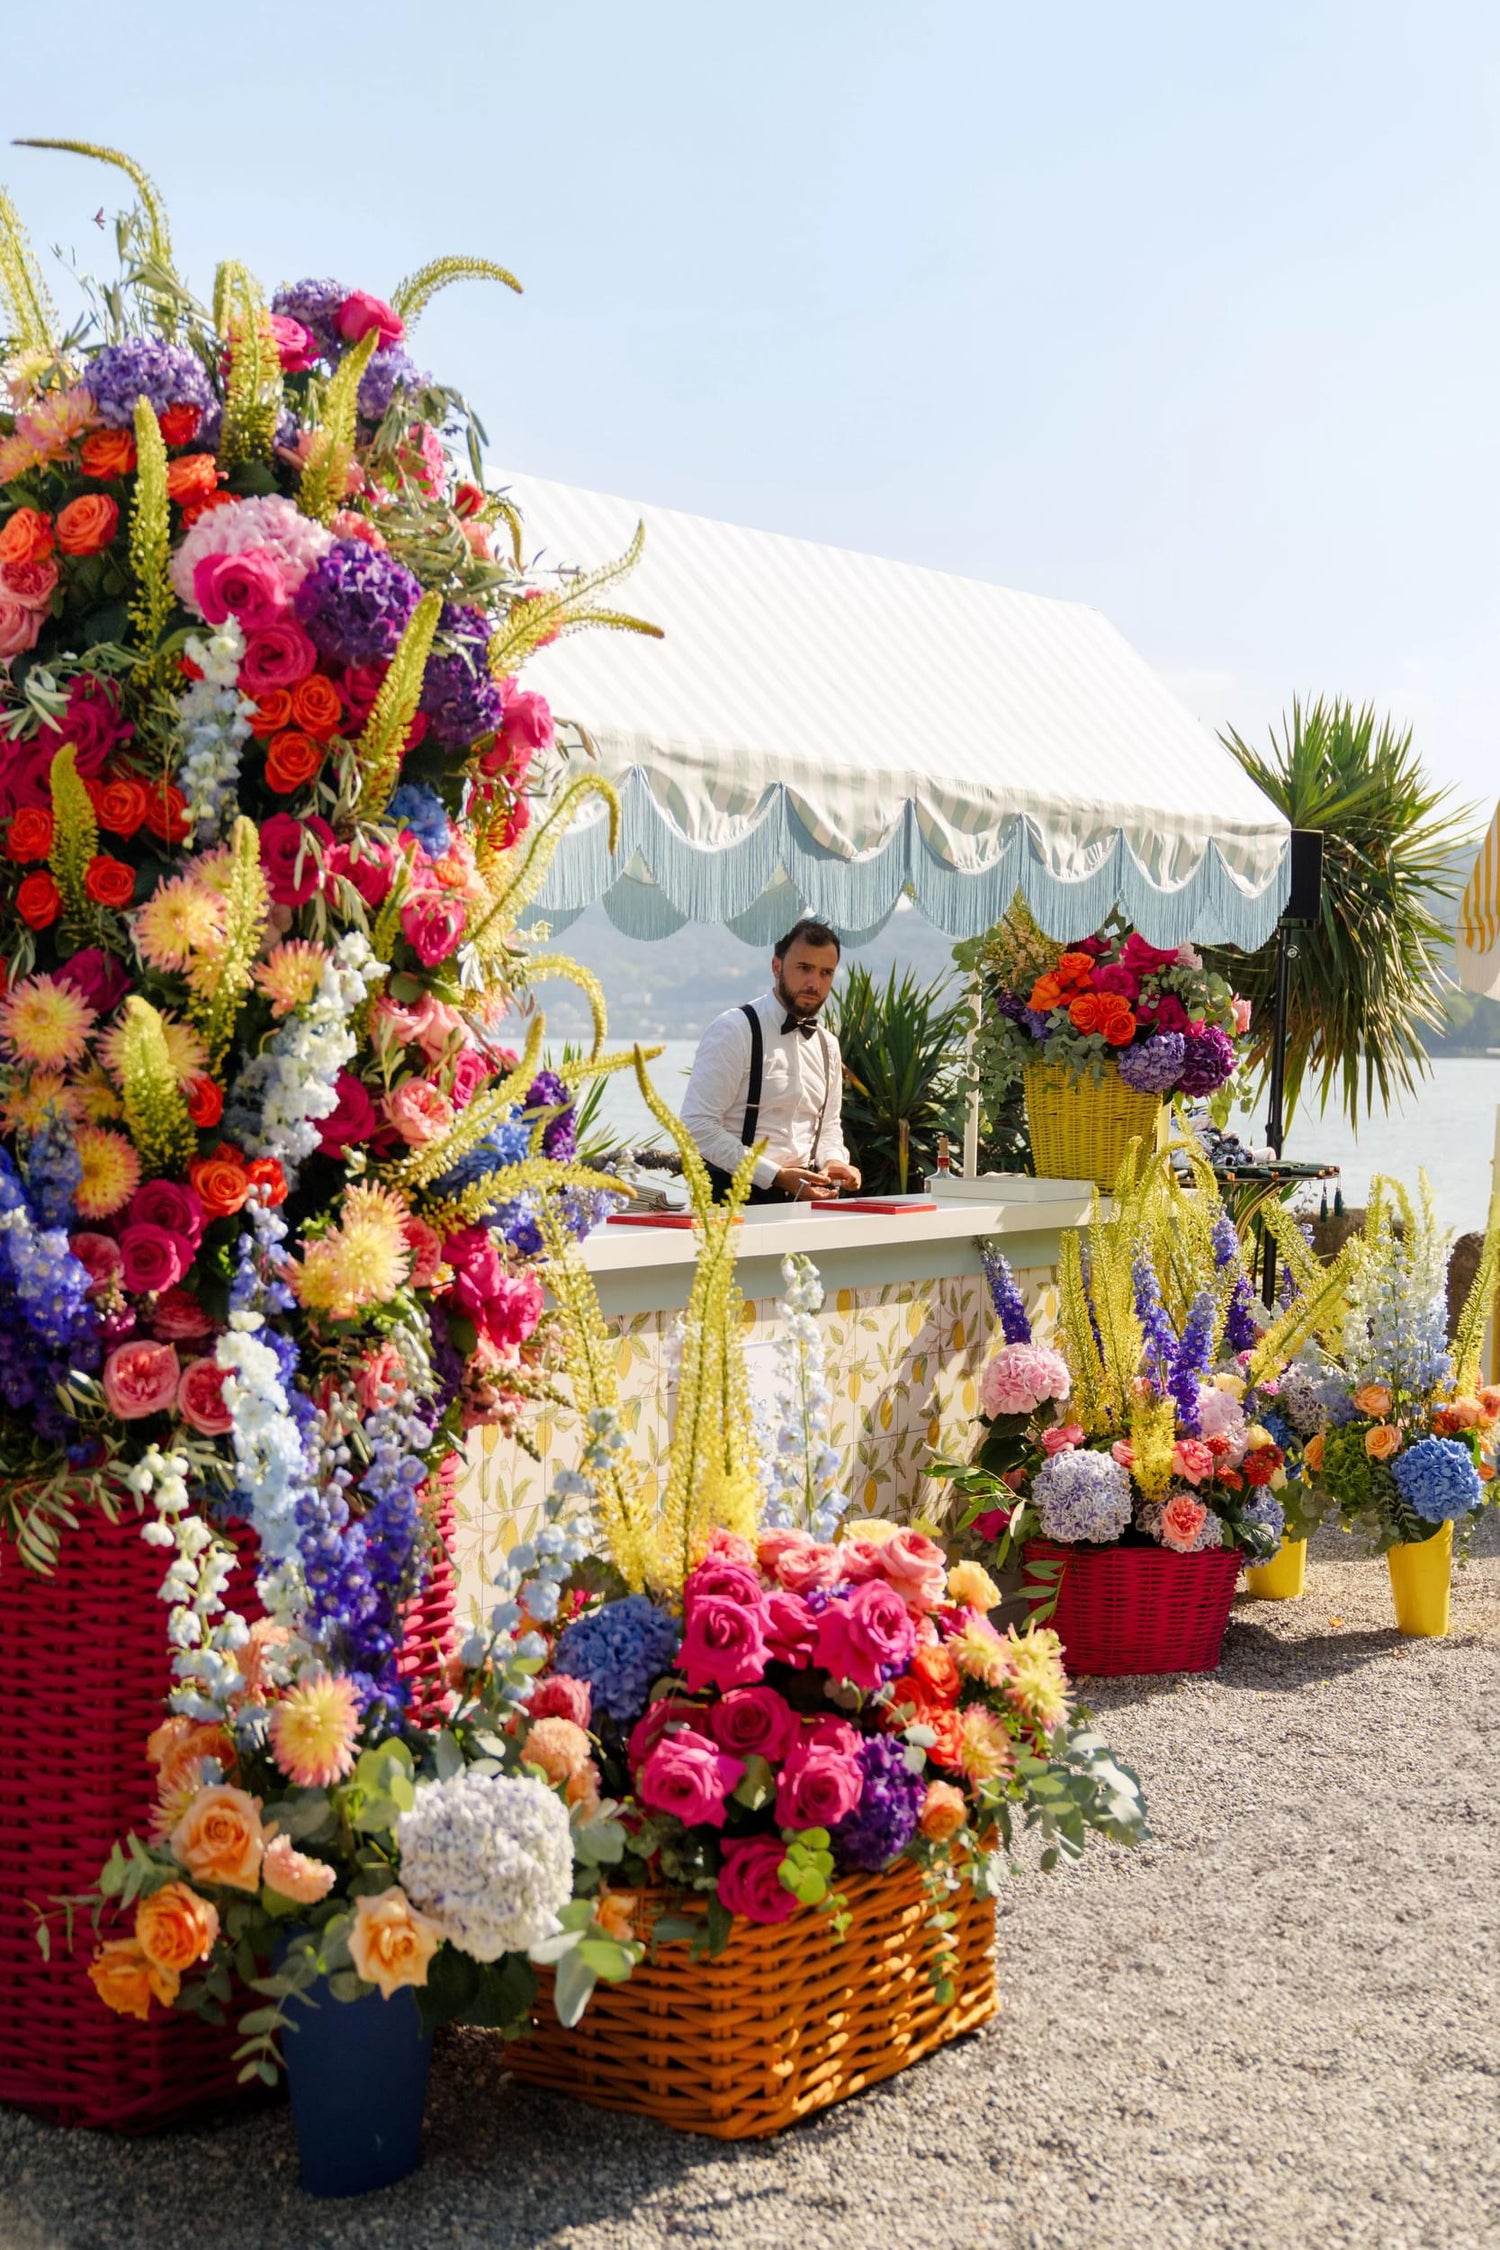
(490, 1860)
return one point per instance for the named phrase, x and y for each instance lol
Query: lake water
(1448, 1126)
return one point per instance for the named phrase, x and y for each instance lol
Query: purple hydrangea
(621, 1649)
(560, 1138)
(357, 602)
(1208, 1059)
(459, 693)
(316, 304)
(1437, 1479)
(166, 374)
(1082, 1495)
(1155, 1066)
(884, 1821)
(388, 372)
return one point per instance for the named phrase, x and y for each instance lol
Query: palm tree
(1365, 979)
(903, 1051)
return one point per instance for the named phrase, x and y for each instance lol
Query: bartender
(770, 1071)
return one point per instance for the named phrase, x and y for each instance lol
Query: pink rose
(292, 866)
(868, 1638)
(723, 1643)
(790, 1629)
(276, 656)
(32, 584)
(439, 1027)
(1240, 1013)
(178, 1317)
(797, 1561)
(294, 345)
(720, 1577)
(20, 626)
(371, 874)
(354, 1120)
(165, 1203)
(1146, 960)
(98, 976)
(729, 1544)
(754, 1722)
(99, 1255)
(690, 1776)
(859, 1559)
(1192, 1459)
(432, 924)
(750, 1880)
(915, 1567)
(1115, 977)
(381, 1374)
(993, 1524)
(1164, 1014)
(140, 1379)
(426, 1248)
(1181, 1519)
(819, 1784)
(360, 312)
(476, 1267)
(470, 1072)
(1188, 957)
(666, 1712)
(511, 1312)
(1062, 1436)
(1124, 1452)
(248, 586)
(1020, 1377)
(200, 1398)
(151, 1259)
(560, 1696)
(419, 1111)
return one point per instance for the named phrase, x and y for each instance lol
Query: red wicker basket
(1137, 1609)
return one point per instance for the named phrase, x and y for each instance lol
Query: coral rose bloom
(1373, 1398)
(1383, 1441)
(291, 1874)
(391, 1944)
(944, 1811)
(175, 1928)
(127, 1982)
(219, 1839)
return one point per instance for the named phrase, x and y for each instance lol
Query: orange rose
(1046, 993)
(1373, 1398)
(193, 509)
(120, 806)
(1075, 971)
(272, 713)
(39, 901)
(264, 1172)
(27, 537)
(109, 882)
(205, 1103)
(175, 1928)
(179, 424)
(1118, 1024)
(317, 706)
(107, 453)
(221, 1181)
(177, 1747)
(87, 525)
(292, 760)
(1083, 1013)
(1312, 1452)
(936, 1670)
(944, 1811)
(166, 814)
(219, 1838)
(1383, 1440)
(127, 1982)
(30, 834)
(391, 1944)
(192, 476)
(614, 1911)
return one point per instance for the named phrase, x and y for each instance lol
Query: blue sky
(1187, 311)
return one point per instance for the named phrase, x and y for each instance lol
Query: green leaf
(573, 1987)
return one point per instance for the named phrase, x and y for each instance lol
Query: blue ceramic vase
(356, 2071)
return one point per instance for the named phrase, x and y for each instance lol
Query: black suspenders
(757, 1073)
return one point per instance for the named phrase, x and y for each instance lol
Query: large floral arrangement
(1155, 1014)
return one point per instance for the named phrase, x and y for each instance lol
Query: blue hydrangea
(1082, 1495)
(621, 1649)
(423, 812)
(1437, 1479)
(1264, 1508)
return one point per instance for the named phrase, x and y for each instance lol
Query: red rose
(179, 424)
(292, 854)
(92, 721)
(272, 713)
(754, 1722)
(276, 656)
(152, 1259)
(38, 901)
(109, 882)
(192, 476)
(205, 1103)
(292, 760)
(166, 1203)
(265, 1173)
(30, 834)
(353, 1122)
(120, 806)
(166, 814)
(371, 874)
(360, 312)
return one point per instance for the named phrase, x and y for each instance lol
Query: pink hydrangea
(1220, 1415)
(1021, 1377)
(292, 540)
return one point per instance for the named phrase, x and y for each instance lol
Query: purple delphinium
(459, 692)
(166, 374)
(1208, 1059)
(53, 1171)
(357, 602)
(1012, 1006)
(1009, 1304)
(1155, 1066)
(884, 1821)
(388, 372)
(560, 1139)
(316, 304)
(1190, 1359)
(1159, 1344)
(1241, 1326)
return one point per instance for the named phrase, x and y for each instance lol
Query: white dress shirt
(795, 1086)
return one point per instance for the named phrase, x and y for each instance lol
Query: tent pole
(971, 1116)
(1275, 1118)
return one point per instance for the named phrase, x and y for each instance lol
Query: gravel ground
(1277, 2022)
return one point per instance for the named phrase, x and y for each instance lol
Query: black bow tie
(795, 1023)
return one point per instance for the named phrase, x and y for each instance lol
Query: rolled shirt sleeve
(832, 1147)
(716, 1092)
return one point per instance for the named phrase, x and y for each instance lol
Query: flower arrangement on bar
(1100, 1032)
(274, 1157)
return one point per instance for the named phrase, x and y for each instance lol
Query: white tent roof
(820, 730)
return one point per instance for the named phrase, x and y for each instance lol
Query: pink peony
(1124, 1452)
(1192, 1459)
(360, 312)
(200, 1398)
(819, 1784)
(797, 1561)
(293, 1874)
(32, 584)
(293, 871)
(1062, 1436)
(750, 1880)
(916, 1568)
(791, 1629)
(1020, 1377)
(690, 1776)
(247, 586)
(753, 1722)
(868, 1638)
(151, 1259)
(560, 1696)
(140, 1379)
(433, 924)
(723, 1643)
(1180, 1521)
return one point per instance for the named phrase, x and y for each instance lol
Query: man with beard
(770, 1071)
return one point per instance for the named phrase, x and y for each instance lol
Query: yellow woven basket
(786, 2020)
(1080, 1130)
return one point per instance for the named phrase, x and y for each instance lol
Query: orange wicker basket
(1080, 1130)
(785, 2021)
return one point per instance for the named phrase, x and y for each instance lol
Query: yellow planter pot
(1282, 1579)
(1419, 1585)
(1080, 1130)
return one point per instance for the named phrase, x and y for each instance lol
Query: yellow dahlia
(290, 974)
(26, 1103)
(980, 1652)
(179, 921)
(985, 1751)
(212, 870)
(46, 1023)
(189, 1056)
(362, 1262)
(313, 1730)
(111, 1172)
(96, 1097)
(1035, 1681)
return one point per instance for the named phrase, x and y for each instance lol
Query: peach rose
(175, 1928)
(291, 1874)
(87, 525)
(559, 1747)
(219, 1839)
(1181, 1519)
(1383, 1441)
(391, 1944)
(944, 1811)
(915, 1566)
(140, 1379)
(1373, 1398)
(614, 1911)
(127, 1982)
(200, 1398)
(20, 626)
(178, 1747)
(419, 1111)
(1312, 1452)
(33, 584)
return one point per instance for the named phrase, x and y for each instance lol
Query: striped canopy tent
(1478, 931)
(821, 732)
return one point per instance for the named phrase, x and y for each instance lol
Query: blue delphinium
(1159, 1343)
(621, 1649)
(1437, 1479)
(1190, 1360)
(560, 1138)
(422, 811)
(1005, 1296)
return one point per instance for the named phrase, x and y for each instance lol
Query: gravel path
(1277, 2023)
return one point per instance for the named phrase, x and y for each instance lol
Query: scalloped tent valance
(821, 731)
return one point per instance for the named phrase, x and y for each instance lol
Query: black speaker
(1305, 901)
